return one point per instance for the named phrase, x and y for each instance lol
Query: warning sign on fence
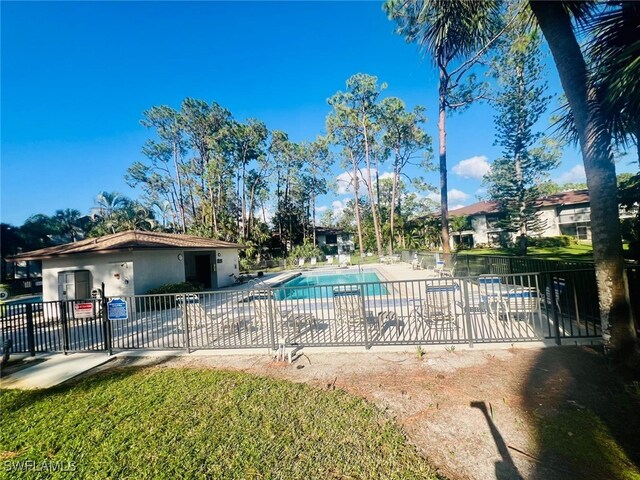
(117, 309)
(83, 310)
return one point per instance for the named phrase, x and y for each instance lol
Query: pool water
(36, 299)
(319, 285)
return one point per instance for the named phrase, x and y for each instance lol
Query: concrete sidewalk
(55, 369)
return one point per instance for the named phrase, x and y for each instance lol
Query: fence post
(270, 314)
(467, 313)
(185, 323)
(30, 331)
(106, 323)
(554, 310)
(65, 327)
(364, 319)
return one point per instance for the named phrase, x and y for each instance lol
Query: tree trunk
(595, 144)
(245, 231)
(179, 180)
(392, 210)
(357, 203)
(442, 137)
(313, 208)
(522, 219)
(250, 210)
(374, 209)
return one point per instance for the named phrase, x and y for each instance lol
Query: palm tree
(614, 50)
(70, 224)
(459, 224)
(108, 202)
(554, 20)
(447, 31)
(611, 54)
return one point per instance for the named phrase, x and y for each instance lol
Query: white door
(74, 285)
(66, 286)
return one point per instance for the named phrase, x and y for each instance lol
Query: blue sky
(76, 77)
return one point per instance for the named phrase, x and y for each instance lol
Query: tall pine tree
(526, 155)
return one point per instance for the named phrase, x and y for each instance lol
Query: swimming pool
(320, 284)
(34, 299)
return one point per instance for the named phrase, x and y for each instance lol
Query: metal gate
(64, 326)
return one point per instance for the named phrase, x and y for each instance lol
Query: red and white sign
(83, 310)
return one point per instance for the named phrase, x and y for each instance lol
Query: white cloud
(338, 207)
(454, 195)
(322, 208)
(389, 175)
(575, 175)
(344, 182)
(474, 167)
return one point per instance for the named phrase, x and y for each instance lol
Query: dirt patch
(475, 414)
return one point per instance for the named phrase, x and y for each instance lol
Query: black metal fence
(472, 265)
(75, 325)
(558, 305)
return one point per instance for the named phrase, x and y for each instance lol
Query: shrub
(159, 303)
(247, 264)
(552, 242)
(306, 250)
(183, 287)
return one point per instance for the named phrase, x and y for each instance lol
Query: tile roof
(476, 209)
(130, 240)
(564, 198)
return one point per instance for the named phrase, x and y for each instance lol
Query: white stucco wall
(479, 224)
(549, 219)
(157, 267)
(101, 267)
(342, 245)
(152, 269)
(229, 265)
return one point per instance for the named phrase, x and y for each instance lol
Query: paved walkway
(55, 369)
(402, 271)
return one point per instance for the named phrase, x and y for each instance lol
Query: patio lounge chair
(348, 307)
(266, 306)
(301, 262)
(199, 318)
(313, 261)
(440, 269)
(329, 259)
(516, 302)
(439, 307)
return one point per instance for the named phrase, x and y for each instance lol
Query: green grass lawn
(156, 423)
(582, 252)
(586, 444)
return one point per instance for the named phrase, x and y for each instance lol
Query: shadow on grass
(585, 420)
